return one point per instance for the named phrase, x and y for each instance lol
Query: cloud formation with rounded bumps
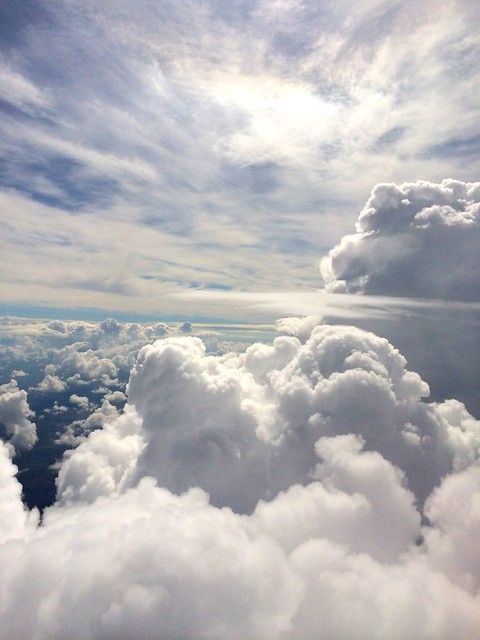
(417, 239)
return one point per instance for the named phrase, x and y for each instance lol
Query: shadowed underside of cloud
(417, 239)
(339, 501)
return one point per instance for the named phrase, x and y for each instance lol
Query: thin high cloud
(348, 306)
(232, 137)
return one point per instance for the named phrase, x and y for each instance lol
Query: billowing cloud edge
(349, 530)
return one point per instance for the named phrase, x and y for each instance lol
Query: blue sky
(155, 149)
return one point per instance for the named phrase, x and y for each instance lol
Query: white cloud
(81, 401)
(102, 466)
(453, 510)
(15, 416)
(265, 150)
(19, 91)
(339, 498)
(259, 414)
(298, 327)
(177, 564)
(51, 384)
(18, 373)
(77, 431)
(116, 397)
(14, 517)
(342, 546)
(190, 570)
(414, 240)
(69, 361)
(359, 501)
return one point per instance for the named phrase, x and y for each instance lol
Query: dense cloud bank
(72, 375)
(57, 362)
(243, 426)
(341, 503)
(418, 239)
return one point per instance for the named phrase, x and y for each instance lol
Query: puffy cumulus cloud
(169, 567)
(454, 511)
(57, 325)
(93, 361)
(15, 416)
(417, 239)
(82, 402)
(78, 351)
(176, 566)
(71, 361)
(18, 373)
(359, 500)
(76, 432)
(347, 593)
(301, 328)
(56, 409)
(243, 426)
(325, 446)
(51, 344)
(51, 384)
(116, 397)
(14, 517)
(110, 326)
(102, 464)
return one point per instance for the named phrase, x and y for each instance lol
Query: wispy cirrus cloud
(261, 125)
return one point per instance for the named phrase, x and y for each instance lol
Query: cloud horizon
(239, 320)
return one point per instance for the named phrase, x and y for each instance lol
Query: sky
(155, 149)
(239, 320)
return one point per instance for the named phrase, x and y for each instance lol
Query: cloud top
(256, 495)
(418, 239)
(243, 426)
(15, 416)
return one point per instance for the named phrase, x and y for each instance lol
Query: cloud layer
(243, 426)
(158, 165)
(318, 455)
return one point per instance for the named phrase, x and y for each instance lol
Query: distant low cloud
(77, 431)
(418, 239)
(69, 361)
(81, 402)
(51, 384)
